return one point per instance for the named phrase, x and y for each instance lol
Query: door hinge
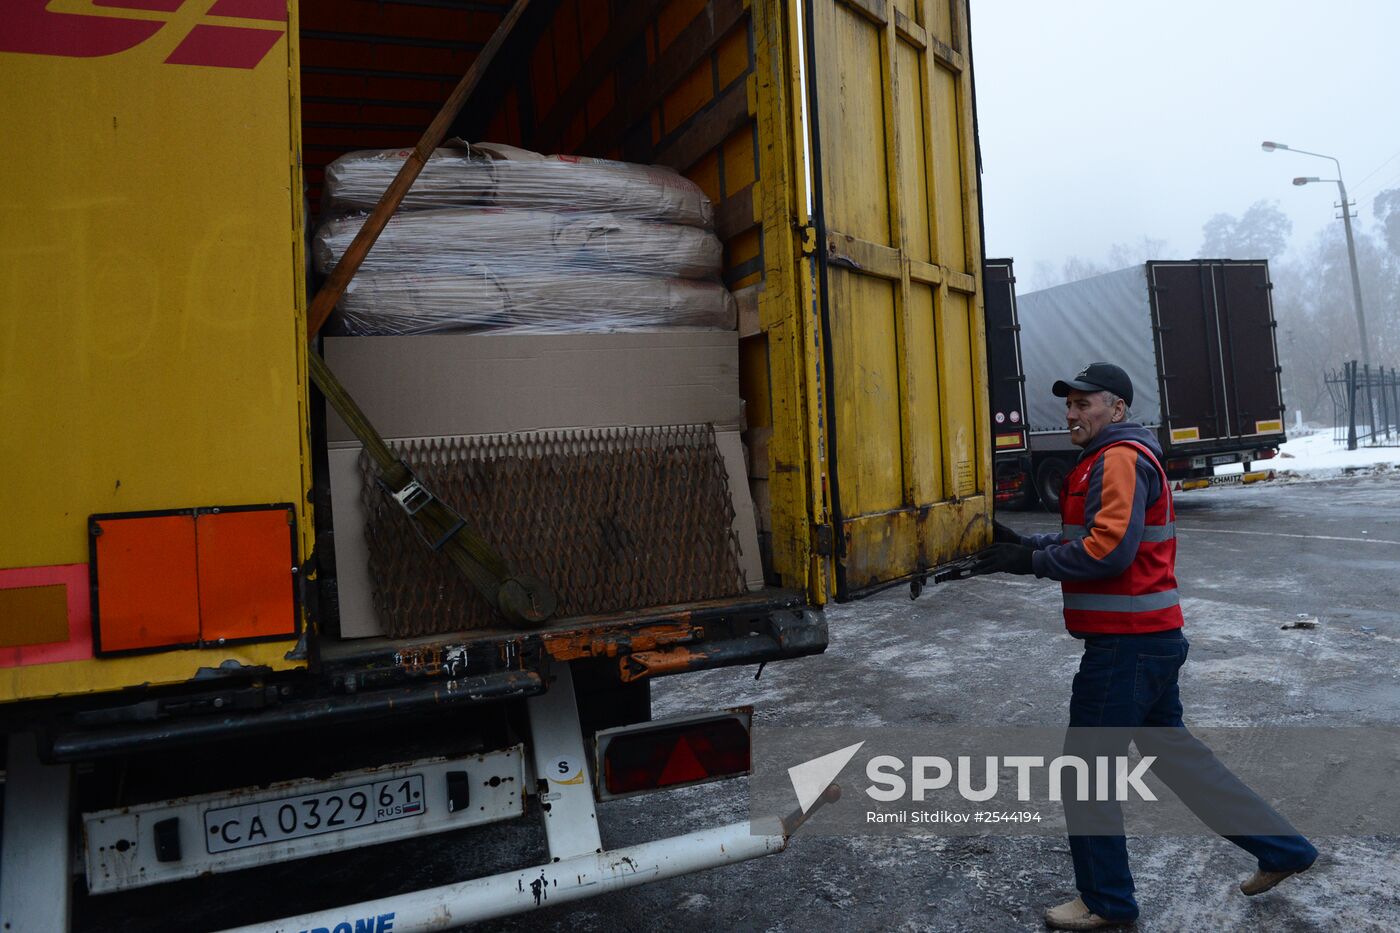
(823, 540)
(809, 240)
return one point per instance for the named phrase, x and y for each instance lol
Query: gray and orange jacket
(1115, 555)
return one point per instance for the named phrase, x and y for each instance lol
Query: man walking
(1115, 557)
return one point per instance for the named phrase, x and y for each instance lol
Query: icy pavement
(993, 650)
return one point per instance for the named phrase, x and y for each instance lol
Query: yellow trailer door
(897, 262)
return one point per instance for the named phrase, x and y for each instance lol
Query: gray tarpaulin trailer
(1197, 337)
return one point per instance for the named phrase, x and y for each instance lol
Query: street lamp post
(1269, 146)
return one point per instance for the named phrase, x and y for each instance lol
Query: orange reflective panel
(147, 582)
(246, 585)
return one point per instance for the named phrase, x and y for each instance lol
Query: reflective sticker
(567, 771)
(46, 613)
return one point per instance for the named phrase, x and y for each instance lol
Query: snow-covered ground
(1316, 455)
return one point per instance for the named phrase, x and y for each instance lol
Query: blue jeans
(1128, 682)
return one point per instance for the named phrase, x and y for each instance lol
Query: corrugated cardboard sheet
(456, 385)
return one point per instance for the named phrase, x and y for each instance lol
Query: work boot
(1076, 915)
(1261, 880)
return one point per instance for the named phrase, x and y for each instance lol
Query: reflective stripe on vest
(1105, 602)
(1150, 533)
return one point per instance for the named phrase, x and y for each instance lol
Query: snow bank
(1316, 455)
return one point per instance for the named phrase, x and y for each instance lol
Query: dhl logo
(31, 27)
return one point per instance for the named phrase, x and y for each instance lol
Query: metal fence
(1365, 405)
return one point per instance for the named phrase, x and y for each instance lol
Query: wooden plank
(707, 129)
(910, 31)
(863, 256)
(910, 467)
(598, 68)
(973, 239)
(676, 61)
(877, 11)
(354, 255)
(792, 503)
(950, 57)
(925, 273)
(961, 282)
(735, 214)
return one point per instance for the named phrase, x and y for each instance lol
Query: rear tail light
(1267, 454)
(673, 753)
(1178, 464)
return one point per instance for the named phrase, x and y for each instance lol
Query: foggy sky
(1104, 121)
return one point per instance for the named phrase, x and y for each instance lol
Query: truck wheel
(1048, 477)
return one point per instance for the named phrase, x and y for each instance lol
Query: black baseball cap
(1097, 377)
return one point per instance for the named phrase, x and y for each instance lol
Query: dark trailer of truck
(1006, 386)
(1197, 337)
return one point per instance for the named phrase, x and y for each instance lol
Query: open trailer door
(895, 256)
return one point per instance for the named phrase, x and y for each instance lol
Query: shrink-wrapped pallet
(519, 242)
(479, 297)
(502, 176)
(501, 239)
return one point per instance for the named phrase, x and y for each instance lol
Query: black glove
(1004, 558)
(1003, 535)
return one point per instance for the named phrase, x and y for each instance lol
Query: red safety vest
(1142, 598)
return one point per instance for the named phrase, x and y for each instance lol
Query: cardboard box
(456, 384)
(464, 384)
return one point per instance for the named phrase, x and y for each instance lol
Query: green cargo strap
(522, 600)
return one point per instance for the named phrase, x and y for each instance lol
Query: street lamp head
(1301, 180)
(1269, 146)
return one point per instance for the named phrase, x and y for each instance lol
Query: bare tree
(1261, 232)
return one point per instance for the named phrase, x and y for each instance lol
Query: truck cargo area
(1197, 338)
(675, 340)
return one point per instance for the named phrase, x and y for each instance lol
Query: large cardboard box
(452, 385)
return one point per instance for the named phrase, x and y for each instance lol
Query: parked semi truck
(1198, 339)
(184, 690)
(1006, 383)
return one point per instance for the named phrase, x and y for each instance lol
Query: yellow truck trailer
(174, 680)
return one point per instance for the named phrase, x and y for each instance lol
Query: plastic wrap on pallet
(485, 297)
(502, 176)
(523, 241)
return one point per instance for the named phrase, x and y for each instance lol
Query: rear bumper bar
(514, 892)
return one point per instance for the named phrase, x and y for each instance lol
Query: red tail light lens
(654, 757)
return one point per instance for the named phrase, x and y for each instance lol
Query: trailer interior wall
(1104, 318)
(885, 381)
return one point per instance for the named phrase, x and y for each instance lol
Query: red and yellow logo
(31, 27)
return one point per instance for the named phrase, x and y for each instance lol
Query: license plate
(1222, 458)
(269, 821)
